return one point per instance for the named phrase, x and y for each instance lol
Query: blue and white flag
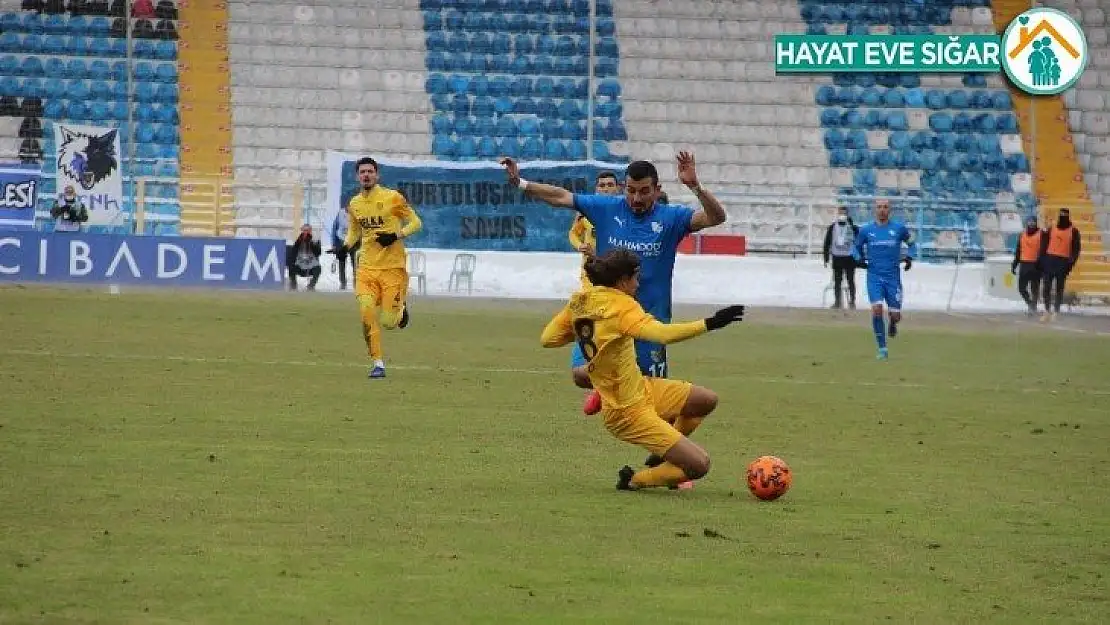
(471, 206)
(18, 194)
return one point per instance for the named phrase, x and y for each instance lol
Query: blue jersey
(881, 246)
(654, 237)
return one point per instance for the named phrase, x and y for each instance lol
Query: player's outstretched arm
(640, 325)
(559, 331)
(546, 193)
(711, 212)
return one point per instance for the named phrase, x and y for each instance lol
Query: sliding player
(380, 219)
(604, 319)
(878, 249)
(640, 222)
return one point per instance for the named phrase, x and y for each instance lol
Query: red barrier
(714, 244)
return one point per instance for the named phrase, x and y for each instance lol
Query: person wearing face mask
(1060, 250)
(838, 244)
(1027, 254)
(68, 212)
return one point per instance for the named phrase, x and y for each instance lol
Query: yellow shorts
(388, 288)
(650, 423)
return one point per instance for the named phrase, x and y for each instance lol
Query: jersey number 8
(584, 335)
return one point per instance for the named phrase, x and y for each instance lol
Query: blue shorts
(651, 357)
(885, 289)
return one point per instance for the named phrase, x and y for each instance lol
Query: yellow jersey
(373, 212)
(581, 233)
(604, 322)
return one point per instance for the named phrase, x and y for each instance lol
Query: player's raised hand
(687, 174)
(512, 169)
(723, 317)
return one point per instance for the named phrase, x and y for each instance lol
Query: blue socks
(879, 325)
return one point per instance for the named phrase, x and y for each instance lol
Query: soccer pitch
(170, 457)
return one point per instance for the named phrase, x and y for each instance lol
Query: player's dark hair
(612, 267)
(606, 174)
(366, 160)
(640, 170)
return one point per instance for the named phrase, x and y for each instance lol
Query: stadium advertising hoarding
(74, 257)
(471, 206)
(18, 194)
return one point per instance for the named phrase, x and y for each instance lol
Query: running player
(604, 319)
(380, 219)
(878, 249)
(637, 221)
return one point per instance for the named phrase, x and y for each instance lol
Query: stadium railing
(223, 206)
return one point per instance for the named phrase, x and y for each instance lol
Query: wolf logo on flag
(88, 158)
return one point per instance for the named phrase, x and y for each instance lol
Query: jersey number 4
(584, 336)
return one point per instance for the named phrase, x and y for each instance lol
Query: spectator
(303, 259)
(68, 212)
(839, 239)
(77, 7)
(338, 235)
(142, 8)
(31, 5)
(54, 7)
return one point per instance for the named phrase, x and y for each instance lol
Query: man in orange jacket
(1060, 250)
(1026, 254)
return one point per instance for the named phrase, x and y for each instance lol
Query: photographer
(68, 212)
(303, 259)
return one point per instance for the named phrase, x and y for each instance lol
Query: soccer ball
(769, 477)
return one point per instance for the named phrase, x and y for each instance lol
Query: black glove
(907, 262)
(723, 317)
(1013, 268)
(385, 239)
(861, 264)
(338, 250)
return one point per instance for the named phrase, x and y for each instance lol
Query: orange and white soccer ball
(769, 477)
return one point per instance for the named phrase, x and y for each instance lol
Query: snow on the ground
(749, 280)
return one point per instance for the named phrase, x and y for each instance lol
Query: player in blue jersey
(640, 222)
(878, 249)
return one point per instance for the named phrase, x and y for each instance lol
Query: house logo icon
(1045, 51)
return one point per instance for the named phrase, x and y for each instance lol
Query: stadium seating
(512, 78)
(68, 63)
(1089, 101)
(928, 141)
(309, 76)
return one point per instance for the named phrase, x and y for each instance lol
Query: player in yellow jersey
(605, 319)
(582, 236)
(381, 219)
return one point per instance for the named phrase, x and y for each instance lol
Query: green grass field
(222, 458)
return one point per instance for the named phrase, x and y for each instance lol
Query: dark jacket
(303, 241)
(75, 212)
(828, 237)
